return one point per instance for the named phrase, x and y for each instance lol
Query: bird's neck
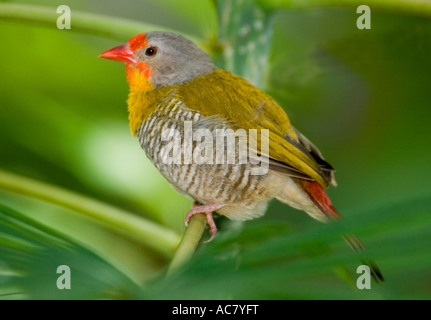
(138, 102)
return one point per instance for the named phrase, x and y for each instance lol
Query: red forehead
(138, 42)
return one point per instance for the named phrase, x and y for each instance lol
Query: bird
(175, 86)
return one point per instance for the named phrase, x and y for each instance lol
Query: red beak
(120, 53)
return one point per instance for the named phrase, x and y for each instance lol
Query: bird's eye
(150, 51)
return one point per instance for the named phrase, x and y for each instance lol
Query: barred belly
(245, 195)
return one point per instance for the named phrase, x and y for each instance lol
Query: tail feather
(356, 244)
(321, 200)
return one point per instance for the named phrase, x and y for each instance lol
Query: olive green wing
(326, 168)
(244, 106)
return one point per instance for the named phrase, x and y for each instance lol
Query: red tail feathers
(319, 197)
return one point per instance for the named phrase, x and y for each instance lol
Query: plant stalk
(189, 242)
(413, 7)
(108, 26)
(152, 235)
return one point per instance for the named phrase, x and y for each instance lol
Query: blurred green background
(362, 96)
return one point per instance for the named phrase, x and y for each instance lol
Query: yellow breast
(138, 102)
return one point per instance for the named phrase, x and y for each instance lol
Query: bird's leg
(208, 210)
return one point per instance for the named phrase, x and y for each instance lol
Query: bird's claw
(208, 210)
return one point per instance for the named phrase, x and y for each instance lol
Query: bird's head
(158, 59)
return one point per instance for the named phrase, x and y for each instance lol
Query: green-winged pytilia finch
(175, 86)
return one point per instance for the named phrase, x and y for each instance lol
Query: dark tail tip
(375, 271)
(357, 245)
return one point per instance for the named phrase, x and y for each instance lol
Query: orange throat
(138, 76)
(139, 83)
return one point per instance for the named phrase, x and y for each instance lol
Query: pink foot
(208, 210)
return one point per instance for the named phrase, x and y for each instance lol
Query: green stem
(414, 7)
(152, 235)
(189, 242)
(108, 26)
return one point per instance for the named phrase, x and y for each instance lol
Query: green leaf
(269, 260)
(31, 254)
